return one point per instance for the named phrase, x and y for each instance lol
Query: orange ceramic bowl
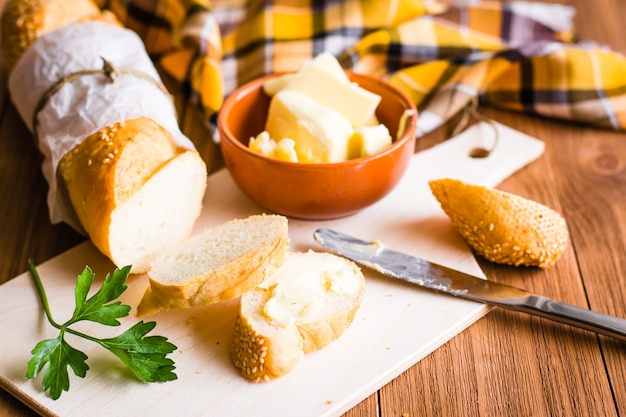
(313, 191)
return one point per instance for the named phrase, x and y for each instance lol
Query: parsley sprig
(145, 355)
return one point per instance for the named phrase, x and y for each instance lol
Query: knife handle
(574, 316)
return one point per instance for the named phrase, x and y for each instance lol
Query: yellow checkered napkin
(520, 56)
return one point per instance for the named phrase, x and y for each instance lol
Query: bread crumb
(329, 402)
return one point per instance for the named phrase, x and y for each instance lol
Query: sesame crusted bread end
(502, 227)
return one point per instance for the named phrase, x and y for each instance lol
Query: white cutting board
(397, 325)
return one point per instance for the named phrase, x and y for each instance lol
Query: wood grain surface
(507, 364)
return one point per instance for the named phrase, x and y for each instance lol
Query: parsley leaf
(145, 355)
(59, 354)
(96, 308)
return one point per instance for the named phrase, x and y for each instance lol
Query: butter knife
(449, 281)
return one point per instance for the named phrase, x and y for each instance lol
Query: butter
(263, 144)
(274, 85)
(318, 115)
(336, 92)
(324, 61)
(320, 133)
(302, 284)
(283, 150)
(329, 63)
(286, 150)
(368, 140)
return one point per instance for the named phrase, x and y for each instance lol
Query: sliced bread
(134, 191)
(218, 264)
(308, 303)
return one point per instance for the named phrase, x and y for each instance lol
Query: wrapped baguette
(118, 167)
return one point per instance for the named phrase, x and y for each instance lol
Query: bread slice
(502, 227)
(308, 303)
(218, 264)
(134, 192)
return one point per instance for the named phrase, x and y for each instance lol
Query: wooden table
(506, 364)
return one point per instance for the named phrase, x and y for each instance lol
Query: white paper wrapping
(89, 102)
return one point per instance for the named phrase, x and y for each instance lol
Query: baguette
(308, 303)
(133, 188)
(218, 264)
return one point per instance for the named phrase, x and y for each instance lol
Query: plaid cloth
(520, 56)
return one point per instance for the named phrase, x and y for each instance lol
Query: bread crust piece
(263, 349)
(23, 21)
(218, 264)
(109, 169)
(502, 227)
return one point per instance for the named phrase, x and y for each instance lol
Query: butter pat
(368, 140)
(320, 134)
(302, 285)
(274, 85)
(329, 89)
(324, 61)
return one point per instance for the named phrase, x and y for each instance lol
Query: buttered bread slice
(218, 264)
(308, 303)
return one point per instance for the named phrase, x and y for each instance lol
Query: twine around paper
(108, 69)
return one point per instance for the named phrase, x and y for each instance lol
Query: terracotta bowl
(313, 191)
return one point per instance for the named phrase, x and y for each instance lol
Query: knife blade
(445, 280)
